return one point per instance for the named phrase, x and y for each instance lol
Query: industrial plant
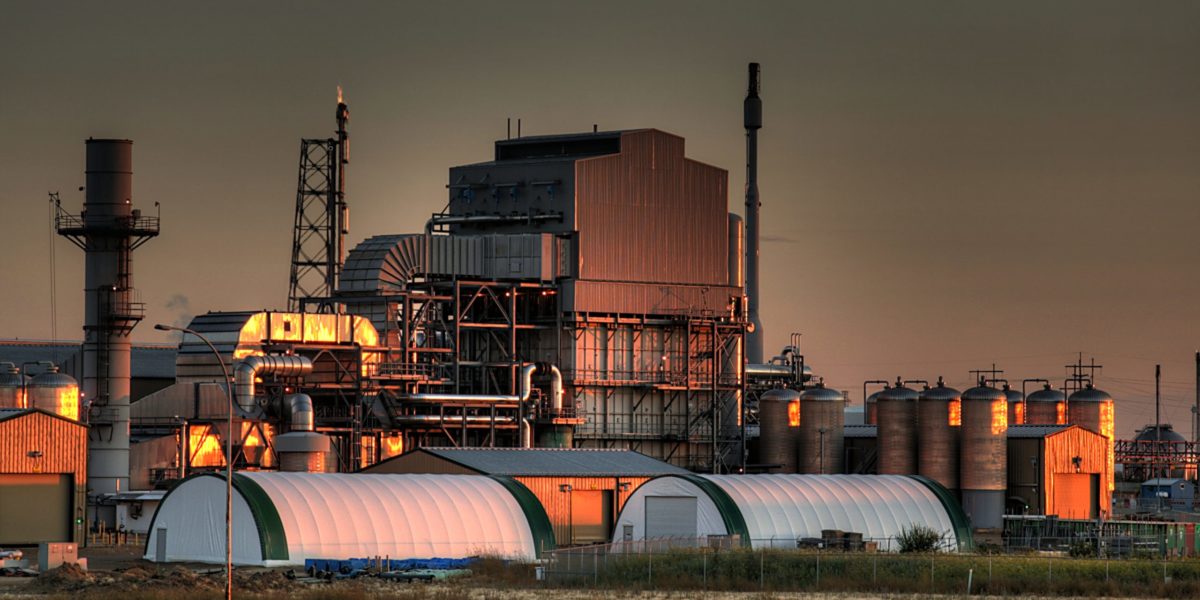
(569, 352)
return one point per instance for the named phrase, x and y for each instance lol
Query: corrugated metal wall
(1091, 449)
(648, 298)
(558, 503)
(650, 215)
(41, 443)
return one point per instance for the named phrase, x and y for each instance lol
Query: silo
(55, 392)
(1016, 405)
(984, 457)
(1046, 406)
(1093, 409)
(896, 412)
(822, 424)
(939, 411)
(12, 386)
(870, 408)
(779, 421)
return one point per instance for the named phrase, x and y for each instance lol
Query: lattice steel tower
(322, 217)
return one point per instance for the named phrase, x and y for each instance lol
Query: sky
(945, 185)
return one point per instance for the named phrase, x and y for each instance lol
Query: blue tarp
(356, 564)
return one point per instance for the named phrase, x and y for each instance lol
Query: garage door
(34, 508)
(1074, 495)
(670, 516)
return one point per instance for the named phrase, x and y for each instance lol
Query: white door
(670, 516)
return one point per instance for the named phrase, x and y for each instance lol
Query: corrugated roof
(860, 431)
(1034, 431)
(146, 360)
(1162, 481)
(12, 413)
(564, 462)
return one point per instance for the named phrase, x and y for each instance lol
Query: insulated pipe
(526, 391)
(769, 370)
(301, 408)
(253, 366)
(426, 419)
(556, 389)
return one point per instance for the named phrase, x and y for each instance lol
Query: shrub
(918, 538)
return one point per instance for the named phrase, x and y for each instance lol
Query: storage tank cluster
(802, 432)
(51, 391)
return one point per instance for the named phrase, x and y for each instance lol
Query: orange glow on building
(307, 328)
(1062, 413)
(999, 417)
(250, 435)
(205, 447)
(1108, 430)
(1019, 413)
(68, 402)
(794, 413)
(955, 410)
(393, 445)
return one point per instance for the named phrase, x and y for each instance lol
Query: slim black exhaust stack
(752, 109)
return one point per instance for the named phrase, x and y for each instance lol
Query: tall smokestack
(108, 230)
(752, 109)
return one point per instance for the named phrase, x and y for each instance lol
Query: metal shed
(1058, 470)
(43, 477)
(581, 490)
(777, 510)
(285, 518)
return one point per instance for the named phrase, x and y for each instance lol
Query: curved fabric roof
(775, 510)
(285, 518)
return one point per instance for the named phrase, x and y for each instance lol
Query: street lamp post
(228, 457)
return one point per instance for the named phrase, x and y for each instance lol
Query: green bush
(918, 538)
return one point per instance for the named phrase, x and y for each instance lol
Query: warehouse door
(34, 508)
(591, 516)
(1076, 495)
(670, 516)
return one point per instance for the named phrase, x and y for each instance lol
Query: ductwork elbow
(251, 367)
(301, 408)
(556, 389)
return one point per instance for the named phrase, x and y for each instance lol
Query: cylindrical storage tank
(55, 392)
(939, 411)
(1046, 406)
(896, 412)
(12, 386)
(552, 435)
(984, 457)
(822, 427)
(870, 408)
(779, 422)
(302, 451)
(1093, 409)
(1016, 405)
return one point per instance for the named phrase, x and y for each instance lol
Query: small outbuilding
(582, 490)
(282, 519)
(43, 477)
(1058, 470)
(778, 510)
(1167, 493)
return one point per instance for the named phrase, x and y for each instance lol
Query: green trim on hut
(271, 536)
(735, 521)
(535, 513)
(958, 518)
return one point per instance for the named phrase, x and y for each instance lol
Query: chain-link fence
(724, 563)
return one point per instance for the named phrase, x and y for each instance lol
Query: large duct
(252, 367)
(108, 230)
(525, 422)
(302, 449)
(752, 113)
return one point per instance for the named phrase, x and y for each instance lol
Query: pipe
(768, 370)
(253, 366)
(301, 408)
(526, 433)
(556, 390)
(526, 391)
(752, 119)
(438, 419)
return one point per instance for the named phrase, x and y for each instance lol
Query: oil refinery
(572, 348)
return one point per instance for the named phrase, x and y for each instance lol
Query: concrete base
(985, 508)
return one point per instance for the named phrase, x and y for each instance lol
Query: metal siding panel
(1062, 448)
(650, 215)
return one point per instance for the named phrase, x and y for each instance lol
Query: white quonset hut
(777, 510)
(284, 518)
